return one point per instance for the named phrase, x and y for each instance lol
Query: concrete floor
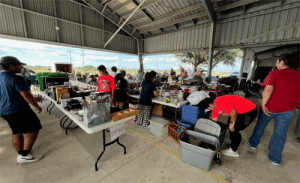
(149, 158)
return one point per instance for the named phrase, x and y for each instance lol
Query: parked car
(234, 74)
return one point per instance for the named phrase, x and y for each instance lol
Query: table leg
(175, 114)
(42, 99)
(62, 119)
(49, 106)
(104, 147)
(68, 127)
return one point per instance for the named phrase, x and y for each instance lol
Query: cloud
(106, 58)
(5, 49)
(23, 44)
(131, 60)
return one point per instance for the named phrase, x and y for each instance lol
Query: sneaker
(230, 152)
(30, 158)
(148, 126)
(275, 163)
(251, 146)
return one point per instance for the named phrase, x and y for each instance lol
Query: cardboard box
(157, 110)
(60, 91)
(123, 114)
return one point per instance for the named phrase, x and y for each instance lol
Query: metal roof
(91, 23)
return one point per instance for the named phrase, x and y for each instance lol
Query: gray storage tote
(198, 156)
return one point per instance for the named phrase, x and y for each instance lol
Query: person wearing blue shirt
(14, 108)
(148, 91)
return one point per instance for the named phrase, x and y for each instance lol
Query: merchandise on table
(123, 114)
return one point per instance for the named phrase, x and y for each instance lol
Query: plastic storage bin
(195, 155)
(191, 114)
(158, 126)
(209, 127)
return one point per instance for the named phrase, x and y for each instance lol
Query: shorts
(23, 122)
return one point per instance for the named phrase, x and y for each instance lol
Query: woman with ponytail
(148, 91)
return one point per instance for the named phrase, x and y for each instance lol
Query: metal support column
(211, 49)
(242, 67)
(141, 63)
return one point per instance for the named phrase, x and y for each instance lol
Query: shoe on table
(230, 152)
(30, 158)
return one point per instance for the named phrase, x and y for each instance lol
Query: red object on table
(187, 90)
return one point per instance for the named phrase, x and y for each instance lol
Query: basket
(172, 131)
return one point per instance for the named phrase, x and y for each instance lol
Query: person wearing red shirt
(280, 99)
(241, 112)
(106, 83)
(183, 73)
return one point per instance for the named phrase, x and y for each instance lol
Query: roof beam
(107, 2)
(209, 7)
(110, 16)
(137, 18)
(122, 5)
(175, 13)
(197, 15)
(234, 5)
(124, 23)
(143, 7)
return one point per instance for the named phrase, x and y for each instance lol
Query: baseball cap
(200, 69)
(122, 72)
(10, 60)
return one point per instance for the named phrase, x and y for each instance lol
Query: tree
(227, 57)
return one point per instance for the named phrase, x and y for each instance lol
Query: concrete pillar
(211, 49)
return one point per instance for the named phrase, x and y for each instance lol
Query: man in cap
(14, 108)
(198, 77)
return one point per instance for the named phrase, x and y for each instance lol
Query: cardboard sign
(117, 131)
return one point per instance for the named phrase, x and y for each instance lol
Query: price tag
(117, 131)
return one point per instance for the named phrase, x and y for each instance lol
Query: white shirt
(113, 74)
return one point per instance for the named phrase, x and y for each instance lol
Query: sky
(42, 54)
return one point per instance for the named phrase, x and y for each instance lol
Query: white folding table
(155, 100)
(88, 130)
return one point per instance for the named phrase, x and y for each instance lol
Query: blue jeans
(281, 125)
(297, 128)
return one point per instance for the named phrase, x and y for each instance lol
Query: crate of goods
(60, 91)
(116, 116)
(198, 149)
(158, 125)
(191, 113)
(157, 110)
(212, 128)
(172, 131)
